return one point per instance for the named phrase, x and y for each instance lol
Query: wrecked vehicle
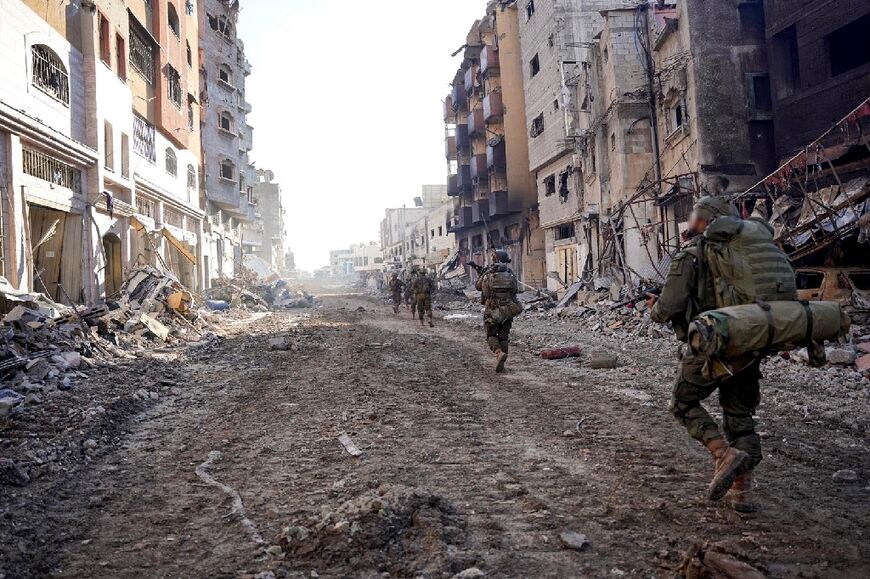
(848, 286)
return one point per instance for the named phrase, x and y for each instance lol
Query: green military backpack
(745, 264)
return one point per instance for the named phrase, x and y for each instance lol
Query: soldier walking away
(396, 287)
(410, 300)
(422, 288)
(690, 289)
(498, 288)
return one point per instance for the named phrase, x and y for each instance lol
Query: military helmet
(502, 256)
(710, 208)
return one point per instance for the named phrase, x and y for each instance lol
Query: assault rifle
(478, 268)
(639, 296)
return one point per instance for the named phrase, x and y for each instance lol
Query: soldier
(688, 292)
(409, 291)
(422, 289)
(498, 288)
(396, 287)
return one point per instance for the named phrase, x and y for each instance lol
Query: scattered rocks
(845, 476)
(470, 573)
(842, 356)
(12, 474)
(279, 344)
(602, 360)
(575, 541)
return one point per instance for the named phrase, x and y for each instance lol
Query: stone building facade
(264, 236)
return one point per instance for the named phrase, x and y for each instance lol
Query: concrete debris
(845, 476)
(602, 360)
(12, 474)
(719, 561)
(349, 445)
(470, 573)
(279, 344)
(841, 356)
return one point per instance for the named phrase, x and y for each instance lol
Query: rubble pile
(45, 347)
(397, 530)
(246, 293)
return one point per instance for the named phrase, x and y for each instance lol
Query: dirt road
(460, 468)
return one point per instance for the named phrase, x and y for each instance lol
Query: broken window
(226, 122)
(220, 25)
(173, 218)
(172, 20)
(786, 63)
(809, 280)
(556, 105)
(105, 42)
(565, 231)
(537, 126)
(143, 139)
(173, 85)
(612, 141)
(564, 190)
(171, 162)
(512, 233)
(191, 115)
(38, 164)
(530, 10)
(49, 73)
(141, 52)
(551, 40)
(534, 66)
(849, 47)
(228, 170)
(225, 74)
(760, 99)
(550, 185)
(146, 207)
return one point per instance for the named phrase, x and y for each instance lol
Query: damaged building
(420, 235)
(263, 237)
(487, 148)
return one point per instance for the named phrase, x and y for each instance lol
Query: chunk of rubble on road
(12, 474)
(349, 445)
(573, 540)
(845, 476)
(602, 360)
(719, 561)
(279, 344)
(863, 363)
(841, 356)
(471, 573)
(561, 353)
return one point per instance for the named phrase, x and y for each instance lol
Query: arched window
(228, 170)
(172, 19)
(225, 74)
(189, 56)
(227, 122)
(49, 73)
(171, 162)
(191, 180)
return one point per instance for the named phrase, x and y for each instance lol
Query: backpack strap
(810, 321)
(765, 307)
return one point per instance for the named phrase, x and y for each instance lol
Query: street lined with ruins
(459, 469)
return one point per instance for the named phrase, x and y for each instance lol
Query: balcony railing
(496, 157)
(450, 148)
(463, 140)
(476, 124)
(449, 114)
(39, 165)
(499, 203)
(459, 97)
(493, 109)
(464, 179)
(488, 60)
(480, 211)
(479, 170)
(464, 217)
(453, 186)
(470, 79)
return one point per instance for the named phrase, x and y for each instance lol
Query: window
(121, 55)
(565, 231)
(108, 146)
(676, 117)
(172, 20)
(141, 52)
(173, 85)
(220, 25)
(849, 47)
(556, 105)
(440, 231)
(188, 6)
(191, 181)
(125, 155)
(760, 99)
(228, 170)
(550, 185)
(173, 218)
(171, 162)
(189, 56)
(38, 164)
(225, 74)
(534, 66)
(751, 20)
(143, 139)
(49, 74)
(551, 41)
(226, 122)
(786, 64)
(537, 126)
(530, 10)
(612, 141)
(564, 190)
(105, 36)
(191, 114)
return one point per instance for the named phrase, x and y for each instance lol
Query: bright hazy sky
(347, 108)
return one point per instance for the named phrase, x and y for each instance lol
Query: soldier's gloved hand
(651, 300)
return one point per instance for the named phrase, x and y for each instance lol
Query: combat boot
(741, 495)
(500, 360)
(730, 463)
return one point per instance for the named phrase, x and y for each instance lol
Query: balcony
(496, 157)
(459, 96)
(453, 186)
(480, 211)
(476, 124)
(450, 148)
(448, 108)
(492, 107)
(463, 140)
(463, 179)
(499, 204)
(488, 60)
(478, 168)
(464, 217)
(470, 78)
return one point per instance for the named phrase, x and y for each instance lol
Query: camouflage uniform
(396, 287)
(422, 288)
(497, 330)
(739, 395)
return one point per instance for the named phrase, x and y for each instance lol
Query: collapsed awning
(180, 246)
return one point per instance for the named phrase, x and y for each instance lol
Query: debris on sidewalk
(349, 445)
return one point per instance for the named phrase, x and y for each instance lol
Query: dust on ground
(462, 471)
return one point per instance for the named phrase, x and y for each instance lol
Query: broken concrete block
(863, 363)
(602, 359)
(845, 476)
(864, 348)
(12, 474)
(37, 370)
(279, 344)
(575, 541)
(841, 356)
(72, 359)
(154, 326)
(9, 399)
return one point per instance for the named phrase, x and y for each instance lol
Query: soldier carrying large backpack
(499, 286)
(729, 262)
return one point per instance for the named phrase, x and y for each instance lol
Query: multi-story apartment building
(264, 236)
(228, 176)
(419, 235)
(396, 241)
(95, 135)
(487, 147)
(341, 262)
(555, 37)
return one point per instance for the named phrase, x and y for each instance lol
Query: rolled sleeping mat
(774, 326)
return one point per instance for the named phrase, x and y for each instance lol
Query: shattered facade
(228, 176)
(264, 236)
(487, 148)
